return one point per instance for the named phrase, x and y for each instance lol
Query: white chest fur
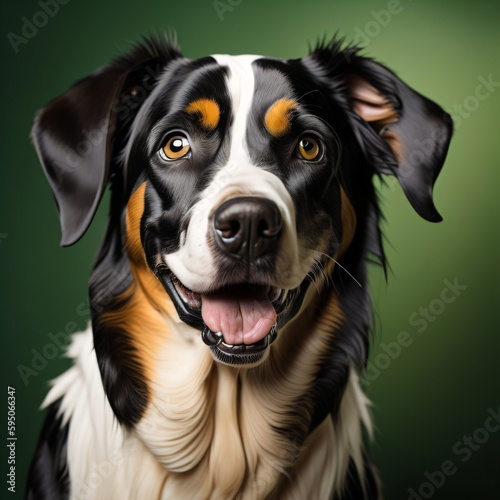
(208, 433)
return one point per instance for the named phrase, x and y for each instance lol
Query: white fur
(106, 461)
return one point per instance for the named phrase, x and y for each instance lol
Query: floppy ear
(74, 135)
(416, 130)
(400, 131)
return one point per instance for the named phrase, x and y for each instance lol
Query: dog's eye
(177, 146)
(309, 148)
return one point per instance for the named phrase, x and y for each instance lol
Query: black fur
(48, 474)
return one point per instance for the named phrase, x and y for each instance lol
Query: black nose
(247, 227)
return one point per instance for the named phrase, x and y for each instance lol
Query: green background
(440, 388)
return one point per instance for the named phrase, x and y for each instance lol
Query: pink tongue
(243, 318)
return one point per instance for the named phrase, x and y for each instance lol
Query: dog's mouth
(238, 322)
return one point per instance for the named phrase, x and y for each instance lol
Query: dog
(230, 316)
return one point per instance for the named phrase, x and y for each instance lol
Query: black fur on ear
(400, 131)
(76, 135)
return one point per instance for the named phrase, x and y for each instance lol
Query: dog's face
(249, 177)
(242, 199)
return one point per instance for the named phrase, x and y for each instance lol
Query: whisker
(338, 264)
(345, 270)
(322, 270)
(318, 271)
(311, 276)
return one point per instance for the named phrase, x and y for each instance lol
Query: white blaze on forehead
(241, 87)
(194, 263)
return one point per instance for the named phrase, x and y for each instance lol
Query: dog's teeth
(273, 334)
(233, 349)
(194, 300)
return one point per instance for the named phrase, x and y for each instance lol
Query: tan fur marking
(141, 323)
(278, 117)
(150, 286)
(348, 217)
(145, 303)
(135, 209)
(207, 110)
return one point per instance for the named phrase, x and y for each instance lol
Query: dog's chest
(222, 430)
(209, 432)
(214, 428)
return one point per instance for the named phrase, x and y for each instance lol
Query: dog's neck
(202, 415)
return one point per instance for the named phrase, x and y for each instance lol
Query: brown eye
(177, 146)
(309, 148)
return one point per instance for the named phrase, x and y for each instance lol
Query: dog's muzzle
(246, 231)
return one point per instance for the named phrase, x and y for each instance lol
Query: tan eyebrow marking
(207, 110)
(279, 115)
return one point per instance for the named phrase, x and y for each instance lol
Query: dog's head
(239, 180)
